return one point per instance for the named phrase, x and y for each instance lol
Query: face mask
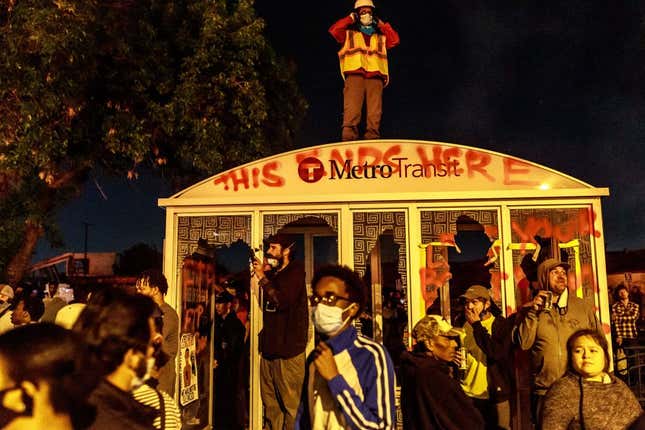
(328, 320)
(273, 262)
(8, 415)
(366, 19)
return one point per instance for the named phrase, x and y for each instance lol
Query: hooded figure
(544, 332)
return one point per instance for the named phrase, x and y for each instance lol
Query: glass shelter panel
(460, 248)
(562, 233)
(213, 256)
(315, 238)
(315, 234)
(380, 258)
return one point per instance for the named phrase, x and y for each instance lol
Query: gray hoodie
(545, 333)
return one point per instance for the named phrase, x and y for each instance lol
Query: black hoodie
(431, 398)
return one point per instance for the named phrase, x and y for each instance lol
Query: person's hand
(471, 316)
(258, 268)
(325, 362)
(215, 364)
(458, 357)
(354, 16)
(539, 300)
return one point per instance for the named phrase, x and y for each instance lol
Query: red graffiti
(245, 178)
(514, 167)
(577, 225)
(369, 156)
(447, 238)
(433, 277)
(439, 156)
(300, 156)
(476, 162)
(491, 231)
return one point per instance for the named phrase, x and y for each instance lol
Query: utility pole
(86, 262)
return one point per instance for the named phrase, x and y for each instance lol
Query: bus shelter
(420, 221)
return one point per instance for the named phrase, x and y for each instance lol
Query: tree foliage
(189, 87)
(136, 259)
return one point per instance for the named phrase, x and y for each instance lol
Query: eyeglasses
(329, 299)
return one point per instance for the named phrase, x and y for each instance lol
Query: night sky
(556, 83)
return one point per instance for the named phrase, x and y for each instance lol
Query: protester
(487, 379)
(6, 296)
(6, 299)
(145, 391)
(544, 330)
(365, 40)
(284, 335)
(431, 396)
(588, 397)
(624, 315)
(169, 417)
(42, 382)
(350, 378)
(118, 329)
(153, 284)
(29, 308)
(53, 303)
(228, 401)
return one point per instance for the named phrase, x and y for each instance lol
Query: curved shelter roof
(382, 170)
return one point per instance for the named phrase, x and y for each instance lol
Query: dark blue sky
(557, 83)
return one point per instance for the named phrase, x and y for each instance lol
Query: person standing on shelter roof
(365, 40)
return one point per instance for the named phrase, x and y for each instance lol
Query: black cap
(284, 240)
(224, 297)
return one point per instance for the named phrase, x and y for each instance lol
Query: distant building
(626, 267)
(78, 270)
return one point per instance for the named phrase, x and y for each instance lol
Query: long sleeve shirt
(285, 313)
(361, 396)
(624, 317)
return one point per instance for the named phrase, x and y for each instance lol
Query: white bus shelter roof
(382, 170)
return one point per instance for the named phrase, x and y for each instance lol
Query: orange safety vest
(355, 55)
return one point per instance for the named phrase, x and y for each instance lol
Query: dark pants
(497, 416)
(537, 406)
(359, 89)
(228, 400)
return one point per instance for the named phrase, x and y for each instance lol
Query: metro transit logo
(311, 170)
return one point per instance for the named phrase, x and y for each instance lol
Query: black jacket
(431, 398)
(117, 409)
(497, 347)
(285, 314)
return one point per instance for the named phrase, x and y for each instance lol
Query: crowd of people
(105, 364)
(96, 365)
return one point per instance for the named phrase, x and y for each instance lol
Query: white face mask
(366, 19)
(328, 320)
(273, 262)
